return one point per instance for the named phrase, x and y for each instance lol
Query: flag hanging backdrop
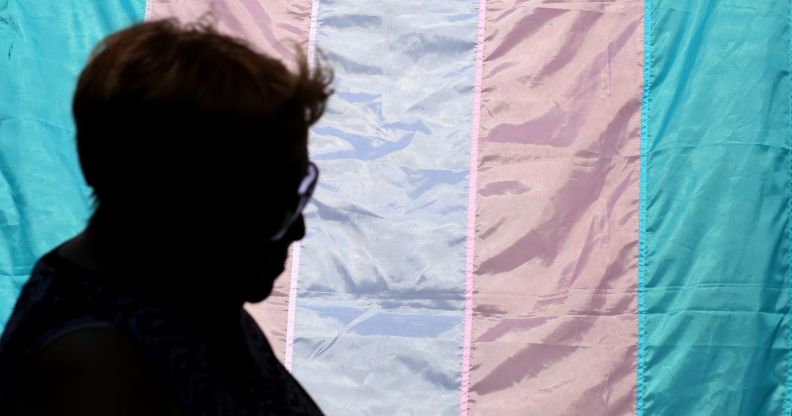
(526, 207)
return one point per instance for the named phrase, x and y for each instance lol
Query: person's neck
(95, 250)
(83, 250)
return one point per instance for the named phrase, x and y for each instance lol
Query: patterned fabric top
(60, 296)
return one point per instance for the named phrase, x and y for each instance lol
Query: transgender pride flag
(527, 207)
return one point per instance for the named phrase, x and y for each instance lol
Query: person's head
(195, 146)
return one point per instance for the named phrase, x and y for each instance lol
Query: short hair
(163, 108)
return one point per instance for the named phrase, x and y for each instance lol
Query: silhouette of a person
(195, 146)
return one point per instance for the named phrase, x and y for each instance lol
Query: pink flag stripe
(554, 328)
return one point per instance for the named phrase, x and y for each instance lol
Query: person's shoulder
(93, 370)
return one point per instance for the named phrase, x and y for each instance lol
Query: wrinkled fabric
(275, 28)
(557, 306)
(717, 208)
(554, 317)
(381, 284)
(43, 196)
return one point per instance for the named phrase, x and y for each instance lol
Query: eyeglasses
(304, 193)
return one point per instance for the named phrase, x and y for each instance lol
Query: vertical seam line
(645, 107)
(464, 386)
(288, 358)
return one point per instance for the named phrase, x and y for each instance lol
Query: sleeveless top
(61, 296)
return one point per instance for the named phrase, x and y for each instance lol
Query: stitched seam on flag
(292, 310)
(788, 381)
(288, 355)
(312, 33)
(645, 103)
(464, 386)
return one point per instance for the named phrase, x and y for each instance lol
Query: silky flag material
(526, 207)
